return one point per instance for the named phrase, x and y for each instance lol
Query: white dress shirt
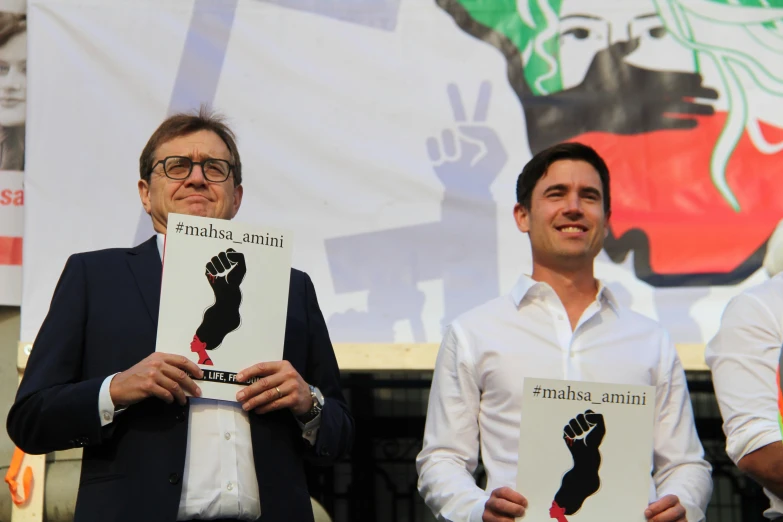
(475, 401)
(743, 357)
(225, 485)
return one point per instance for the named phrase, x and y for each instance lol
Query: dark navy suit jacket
(103, 320)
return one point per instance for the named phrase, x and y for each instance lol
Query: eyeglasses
(180, 167)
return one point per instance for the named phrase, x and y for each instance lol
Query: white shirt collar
(161, 239)
(527, 286)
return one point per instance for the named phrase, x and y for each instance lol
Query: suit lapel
(144, 262)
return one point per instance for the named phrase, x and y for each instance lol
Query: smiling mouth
(195, 196)
(572, 229)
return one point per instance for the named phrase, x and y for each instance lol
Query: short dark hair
(183, 124)
(11, 24)
(540, 163)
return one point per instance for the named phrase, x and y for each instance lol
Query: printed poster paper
(11, 228)
(224, 297)
(585, 451)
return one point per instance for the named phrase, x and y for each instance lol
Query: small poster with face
(585, 451)
(224, 297)
(13, 84)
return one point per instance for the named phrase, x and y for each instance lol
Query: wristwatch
(318, 405)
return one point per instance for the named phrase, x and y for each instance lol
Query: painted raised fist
(225, 273)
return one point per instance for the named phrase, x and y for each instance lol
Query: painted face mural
(682, 98)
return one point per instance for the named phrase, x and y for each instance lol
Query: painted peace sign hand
(468, 157)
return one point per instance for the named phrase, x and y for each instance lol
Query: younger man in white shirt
(560, 323)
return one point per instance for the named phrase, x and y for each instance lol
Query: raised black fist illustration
(582, 435)
(225, 273)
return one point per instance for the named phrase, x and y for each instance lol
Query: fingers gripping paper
(585, 450)
(224, 297)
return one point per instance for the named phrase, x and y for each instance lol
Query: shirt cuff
(477, 513)
(310, 430)
(106, 409)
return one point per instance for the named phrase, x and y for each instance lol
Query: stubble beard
(569, 257)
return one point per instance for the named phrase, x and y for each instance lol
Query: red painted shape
(201, 349)
(660, 183)
(10, 250)
(557, 512)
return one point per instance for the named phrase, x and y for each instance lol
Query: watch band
(316, 408)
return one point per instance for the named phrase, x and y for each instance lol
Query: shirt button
(560, 317)
(229, 486)
(228, 436)
(106, 416)
(174, 478)
(309, 433)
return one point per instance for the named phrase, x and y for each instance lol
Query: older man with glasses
(95, 381)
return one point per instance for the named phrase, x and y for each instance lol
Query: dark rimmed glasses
(180, 167)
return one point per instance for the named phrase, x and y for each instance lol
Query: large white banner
(388, 135)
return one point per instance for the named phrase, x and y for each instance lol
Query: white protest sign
(224, 297)
(585, 450)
